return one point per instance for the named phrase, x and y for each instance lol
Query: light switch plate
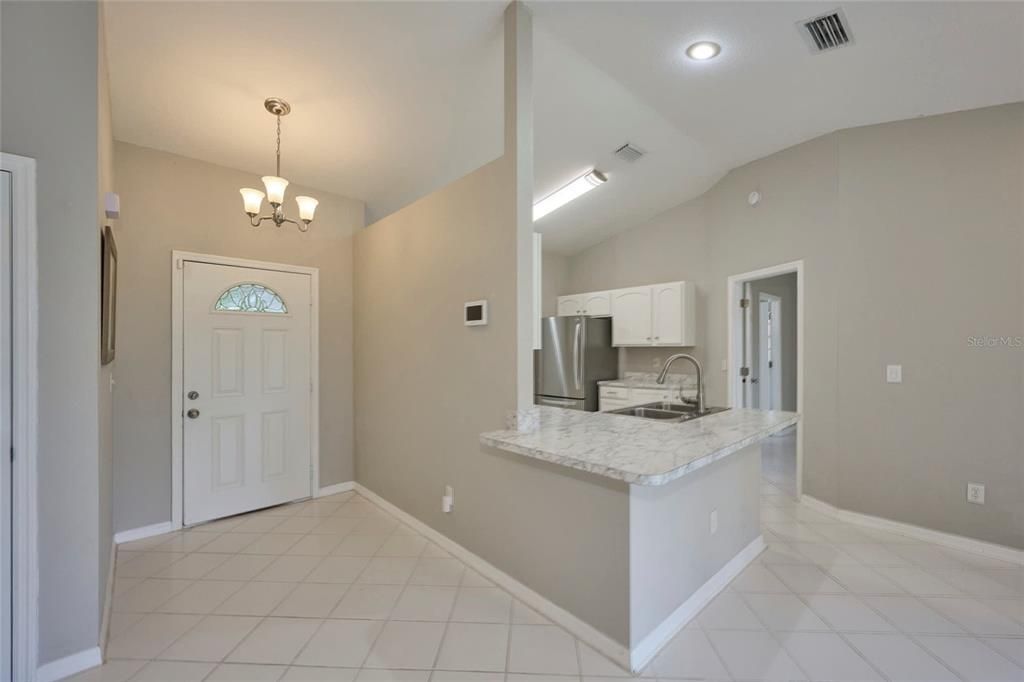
(894, 374)
(976, 493)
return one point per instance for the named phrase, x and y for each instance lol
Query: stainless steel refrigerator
(576, 353)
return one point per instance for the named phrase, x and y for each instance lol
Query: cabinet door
(570, 305)
(631, 317)
(668, 314)
(597, 303)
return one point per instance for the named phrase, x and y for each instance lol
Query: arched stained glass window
(250, 298)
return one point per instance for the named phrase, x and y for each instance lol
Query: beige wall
(427, 386)
(911, 237)
(554, 282)
(49, 112)
(170, 202)
(105, 397)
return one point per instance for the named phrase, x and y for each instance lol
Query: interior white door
(6, 434)
(631, 317)
(247, 389)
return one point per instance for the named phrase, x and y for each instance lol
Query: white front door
(246, 386)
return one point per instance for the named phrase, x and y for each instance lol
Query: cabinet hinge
(179, 264)
(744, 302)
(12, 453)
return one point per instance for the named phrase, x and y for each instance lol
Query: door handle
(193, 413)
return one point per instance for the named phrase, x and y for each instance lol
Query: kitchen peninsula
(691, 501)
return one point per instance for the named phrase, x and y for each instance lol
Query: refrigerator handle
(577, 356)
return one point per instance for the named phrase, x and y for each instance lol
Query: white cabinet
(570, 305)
(674, 315)
(595, 303)
(655, 315)
(616, 397)
(632, 317)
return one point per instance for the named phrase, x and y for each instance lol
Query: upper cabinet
(595, 304)
(674, 315)
(632, 317)
(657, 315)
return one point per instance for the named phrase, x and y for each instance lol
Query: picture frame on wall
(108, 297)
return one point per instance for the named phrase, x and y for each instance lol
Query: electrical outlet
(976, 493)
(713, 522)
(894, 374)
(448, 499)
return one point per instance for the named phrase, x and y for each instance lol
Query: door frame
(24, 417)
(178, 259)
(734, 350)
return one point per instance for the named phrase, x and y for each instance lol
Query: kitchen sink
(664, 411)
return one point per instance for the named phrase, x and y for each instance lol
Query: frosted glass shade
(307, 207)
(253, 200)
(275, 188)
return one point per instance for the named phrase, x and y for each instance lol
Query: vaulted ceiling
(393, 100)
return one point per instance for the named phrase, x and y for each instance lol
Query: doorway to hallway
(765, 360)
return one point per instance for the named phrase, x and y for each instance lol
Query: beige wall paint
(105, 397)
(414, 270)
(171, 202)
(910, 233)
(554, 282)
(49, 112)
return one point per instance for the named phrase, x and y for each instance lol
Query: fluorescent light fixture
(703, 50)
(575, 189)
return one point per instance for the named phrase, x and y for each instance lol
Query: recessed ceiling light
(703, 50)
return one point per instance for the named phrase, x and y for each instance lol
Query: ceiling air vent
(827, 32)
(628, 152)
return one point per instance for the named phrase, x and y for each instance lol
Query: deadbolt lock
(192, 395)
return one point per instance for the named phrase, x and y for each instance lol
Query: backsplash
(651, 360)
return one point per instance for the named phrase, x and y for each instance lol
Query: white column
(519, 148)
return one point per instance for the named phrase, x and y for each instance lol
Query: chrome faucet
(700, 379)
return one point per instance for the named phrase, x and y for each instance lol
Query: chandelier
(276, 185)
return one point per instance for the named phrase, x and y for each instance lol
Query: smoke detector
(628, 152)
(826, 32)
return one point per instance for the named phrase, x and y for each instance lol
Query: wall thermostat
(475, 313)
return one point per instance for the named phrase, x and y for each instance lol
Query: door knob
(193, 413)
(192, 395)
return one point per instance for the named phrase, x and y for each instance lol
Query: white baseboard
(108, 601)
(959, 542)
(587, 633)
(144, 532)
(69, 665)
(644, 652)
(335, 489)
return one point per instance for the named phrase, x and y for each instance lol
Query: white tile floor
(335, 589)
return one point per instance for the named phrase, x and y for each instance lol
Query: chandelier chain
(278, 145)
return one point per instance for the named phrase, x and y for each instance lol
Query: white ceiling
(393, 100)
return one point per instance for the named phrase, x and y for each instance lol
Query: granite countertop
(633, 449)
(650, 380)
